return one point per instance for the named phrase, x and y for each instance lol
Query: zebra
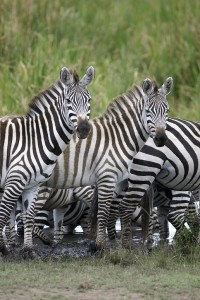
(174, 166)
(68, 206)
(72, 214)
(31, 144)
(137, 219)
(72, 207)
(103, 159)
(176, 207)
(176, 211)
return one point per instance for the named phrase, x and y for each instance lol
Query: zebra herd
(54, 159)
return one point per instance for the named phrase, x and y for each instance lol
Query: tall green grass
(125, 40)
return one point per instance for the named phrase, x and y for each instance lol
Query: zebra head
(156, 109)
(77, 100)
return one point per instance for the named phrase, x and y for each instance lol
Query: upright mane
(46, 97)
(155, 86)
(128, 99)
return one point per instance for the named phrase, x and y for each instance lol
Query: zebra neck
(124, 120)
(46, 112)
(48, 99)
(52, 129)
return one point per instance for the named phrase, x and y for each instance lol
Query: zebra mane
(155, 86)
(75, 75)
(133, 94)
(46, 97)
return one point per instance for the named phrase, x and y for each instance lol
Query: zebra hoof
(95, 250)
(47, 241)
(127, 245)
(5, 251)
(30, 254)
(54, 243)
(20, 233)
(93, 247)
(112, 237)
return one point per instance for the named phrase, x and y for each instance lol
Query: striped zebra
(175, 166)
(78, 212)
(137, 218)
(31, 144)
(178, 213)
(161, 206)
(176, 207)
(68, 206)
(71, 215)
(104, 157)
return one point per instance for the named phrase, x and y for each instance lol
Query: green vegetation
(125, 40)
(118, 275)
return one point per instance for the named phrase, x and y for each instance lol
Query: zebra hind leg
(38, 232)
(114, 214)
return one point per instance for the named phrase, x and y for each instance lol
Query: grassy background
(119, 275)
(125, 40)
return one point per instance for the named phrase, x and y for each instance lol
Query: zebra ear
(167, 85)
(88, 77)
(65, 76)
(147, 86)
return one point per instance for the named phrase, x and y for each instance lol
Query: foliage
(117, 275)
(125, 40)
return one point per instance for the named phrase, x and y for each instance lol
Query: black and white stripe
(31, 144)
(175, 166)
(69, 206)
(72, 215)
(104, 157)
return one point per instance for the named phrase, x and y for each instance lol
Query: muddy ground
(75, 245)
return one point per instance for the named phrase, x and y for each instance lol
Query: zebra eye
(68, 101)
(147, 110)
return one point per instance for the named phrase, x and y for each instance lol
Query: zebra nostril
(160, 140)
(83, 129)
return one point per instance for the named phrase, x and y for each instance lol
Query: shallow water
(172, 231)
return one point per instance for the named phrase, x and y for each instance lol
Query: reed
(125, 40)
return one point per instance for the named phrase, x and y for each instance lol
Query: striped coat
(31, 144)
(104, 157)
(175, 166)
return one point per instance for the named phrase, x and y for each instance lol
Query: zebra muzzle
(160, 138)
(83, 129)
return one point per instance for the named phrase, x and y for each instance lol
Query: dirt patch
(72, 245)
(81, 294)
(76, 245)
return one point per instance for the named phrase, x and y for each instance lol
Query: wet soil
(76, 245)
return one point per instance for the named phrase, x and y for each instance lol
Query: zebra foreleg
(6, 208)
(105, 196)
(58, 215)
(163, 223)
(126, 209)
(28, 201)
(10, 231)
(42, 236)
(114, 214)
